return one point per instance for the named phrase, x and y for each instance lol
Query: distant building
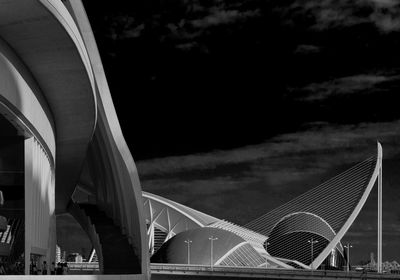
(74, 257)
(372, 259)
(58, 254)
(303, 233)
(387, 266)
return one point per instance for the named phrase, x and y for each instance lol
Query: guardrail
(258, 272)
(87, 266)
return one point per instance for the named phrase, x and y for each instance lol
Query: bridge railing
(87, 266)
(278, 272)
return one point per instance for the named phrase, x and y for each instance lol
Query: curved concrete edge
(21, 101)
(128, 176)
(46, 39)
(317, 262)
(63, 16)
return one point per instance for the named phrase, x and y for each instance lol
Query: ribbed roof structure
(195, 215)
(228, 249)
(337, 202)
(333, 200)
(321, 215)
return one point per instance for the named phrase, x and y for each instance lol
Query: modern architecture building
(60, 132)
(304, 233)
(208, 246)
(62, 151)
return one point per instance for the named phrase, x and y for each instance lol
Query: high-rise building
(58, 254)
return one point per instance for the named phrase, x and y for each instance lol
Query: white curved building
(304, 233)
(60, 135)
(60, 132)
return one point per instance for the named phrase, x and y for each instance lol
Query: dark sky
(234, 107)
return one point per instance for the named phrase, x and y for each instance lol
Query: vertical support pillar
(28, 147)
(40, 223)
(379, 264)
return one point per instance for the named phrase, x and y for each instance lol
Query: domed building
(292, 236)
(304, 233)
(194, 247)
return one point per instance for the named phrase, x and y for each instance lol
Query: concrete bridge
(172, 271)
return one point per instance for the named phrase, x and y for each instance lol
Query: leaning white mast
(379, 264)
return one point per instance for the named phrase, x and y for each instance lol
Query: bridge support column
(379, 264)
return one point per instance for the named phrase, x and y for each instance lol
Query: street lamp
(212, 239)
(348, 246)
(188, 241)
(312, 242)
(266, 250)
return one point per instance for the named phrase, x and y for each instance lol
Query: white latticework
(336, 202)
(255, 239)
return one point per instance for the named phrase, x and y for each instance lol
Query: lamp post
(266, 250)
(348, 246)
(188, 241)
(312, 242)
(212, 239)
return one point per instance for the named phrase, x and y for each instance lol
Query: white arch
(317, 262)
(170, 217)
(307, 213)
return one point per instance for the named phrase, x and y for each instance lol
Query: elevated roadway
(172, 271)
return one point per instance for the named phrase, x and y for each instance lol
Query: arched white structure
(41, 52)
(54, 92)
(355, 212)
(325, 212)
(337, 201)
(170, 217)
(122, 202)
(290, 236)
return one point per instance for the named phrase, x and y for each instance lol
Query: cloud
(134, 32)
(319, 139)
(385, 3)
(267, 174)
(386, 21)
(223, 17)
(384, 14)
(188, 30)
(307, 49)
(181, 23)
(242, 184)
(356, 84)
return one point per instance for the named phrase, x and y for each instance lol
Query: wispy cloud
(242, 184)
(182, 23)
(318, 139)
(220, 17)
(307, 49)
(384, 14)
(356, 84)
(267, 174)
